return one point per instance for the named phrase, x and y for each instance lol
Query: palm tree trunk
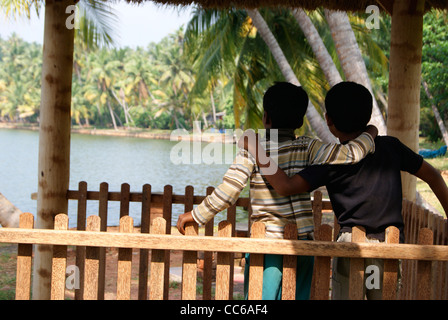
(351, 59)
(317, 45)
(403, 117)
(54, 135)
(112, 114)
(436, 114)
(213, 105)
(315, 119)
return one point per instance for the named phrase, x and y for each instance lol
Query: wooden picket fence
(415, 218)
(424, 256)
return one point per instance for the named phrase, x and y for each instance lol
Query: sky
(138, 25)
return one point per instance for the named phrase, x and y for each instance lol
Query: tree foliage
(215, 71)
(434, 72)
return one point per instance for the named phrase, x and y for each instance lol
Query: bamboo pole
(404, 79)
(54, 136)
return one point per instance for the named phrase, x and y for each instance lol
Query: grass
(7, 271)
(440, 163)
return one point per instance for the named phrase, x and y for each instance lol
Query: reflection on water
(97, 159)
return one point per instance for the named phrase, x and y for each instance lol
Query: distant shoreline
(157, 134)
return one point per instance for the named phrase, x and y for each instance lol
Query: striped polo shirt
(292, 155)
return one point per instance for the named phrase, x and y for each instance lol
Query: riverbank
(155, 134)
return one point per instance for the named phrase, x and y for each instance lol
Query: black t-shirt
(368, 193)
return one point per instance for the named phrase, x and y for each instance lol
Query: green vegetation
(8, 254)
(434, 72)
(214, 72)
(211, 74)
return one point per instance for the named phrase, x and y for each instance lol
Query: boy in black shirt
(367, 194)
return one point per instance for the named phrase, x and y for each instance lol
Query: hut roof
(344, 5)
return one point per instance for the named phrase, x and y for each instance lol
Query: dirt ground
(8, 259)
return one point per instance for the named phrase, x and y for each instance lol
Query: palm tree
(103, 74)
(319, 49)
(436, 113)
(176, 78)
(21, 80)
(19, 8)
(313, 116)
(351, 59)
(229, 46)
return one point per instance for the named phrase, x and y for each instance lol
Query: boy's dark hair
(349, 106)
(285, 104)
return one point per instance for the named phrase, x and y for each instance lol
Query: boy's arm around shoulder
(350, 153)
(364, 144)
(285, 185)
(434, 179)
(277, 178)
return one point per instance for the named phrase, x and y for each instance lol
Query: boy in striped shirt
(284, 109)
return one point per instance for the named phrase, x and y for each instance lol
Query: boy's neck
(280, 134)
(345, 137)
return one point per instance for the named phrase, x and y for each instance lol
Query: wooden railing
(424, 275)
(415, 218)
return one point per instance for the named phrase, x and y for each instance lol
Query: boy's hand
(184, 219)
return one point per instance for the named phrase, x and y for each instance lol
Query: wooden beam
(386, 5)
(236, 245)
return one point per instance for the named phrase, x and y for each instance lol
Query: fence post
(81, 225)
(223, 265)
(124, 200)
(356, 281)
(157, 274)
(92, 262)
(189, 265)
(208, 259)
(59, 262)
(167, 212)
(24, 256)
(317, 209)
(231, 217)
(289, 266)
(102, 213)
(124, 263)
(322, 267)
(256, 265)
(390, 267)
(424, 283)
(144, 253)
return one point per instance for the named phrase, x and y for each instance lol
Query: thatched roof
(344, 5)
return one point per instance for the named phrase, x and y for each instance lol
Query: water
(97, 159)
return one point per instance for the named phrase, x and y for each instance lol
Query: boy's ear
(267, 120)
(329, 121)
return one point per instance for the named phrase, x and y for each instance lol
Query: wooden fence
(424, 264)
(415, 218)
